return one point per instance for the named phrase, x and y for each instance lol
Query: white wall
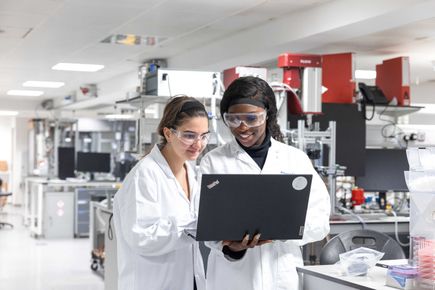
(20, 150)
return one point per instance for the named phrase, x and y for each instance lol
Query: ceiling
(199, 35)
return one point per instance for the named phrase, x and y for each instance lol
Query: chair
(3, 196)
(353, 239)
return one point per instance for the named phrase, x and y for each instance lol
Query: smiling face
(248, 136)
(178, 139)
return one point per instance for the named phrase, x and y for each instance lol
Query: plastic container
(402, 277)
(421, 183)
(357, 196)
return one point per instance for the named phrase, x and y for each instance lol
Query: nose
(197, 142)
(243, 125)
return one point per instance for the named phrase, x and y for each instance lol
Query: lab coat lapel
(241, 155)
(161, 161)
(273, 161)
(157, 155)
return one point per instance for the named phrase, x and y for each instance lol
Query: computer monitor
(93, 162)
(65, 162)
(384, 170)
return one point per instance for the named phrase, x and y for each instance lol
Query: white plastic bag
(357, 262)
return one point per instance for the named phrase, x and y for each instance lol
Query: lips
(193, 152)
(245, 136)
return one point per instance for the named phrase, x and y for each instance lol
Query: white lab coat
(270, 266)
(150, 213)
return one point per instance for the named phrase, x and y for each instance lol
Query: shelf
(394, 111)
(144, 101)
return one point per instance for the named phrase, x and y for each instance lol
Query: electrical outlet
(421, 136)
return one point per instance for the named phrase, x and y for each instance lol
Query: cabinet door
(59, 215)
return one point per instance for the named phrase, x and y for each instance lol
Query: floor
(27, 263)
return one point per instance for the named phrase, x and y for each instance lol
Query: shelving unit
(394, 111)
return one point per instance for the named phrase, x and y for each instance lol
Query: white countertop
(375, 278)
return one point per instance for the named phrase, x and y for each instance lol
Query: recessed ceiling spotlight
(78, 67)
(43, 84)
(28, 93)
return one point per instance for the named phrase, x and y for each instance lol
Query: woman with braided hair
(248, 108)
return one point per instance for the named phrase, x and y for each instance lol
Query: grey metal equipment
(314, 139)
(353, 239)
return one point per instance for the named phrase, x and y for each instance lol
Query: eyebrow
(188, 131)
(254, 112)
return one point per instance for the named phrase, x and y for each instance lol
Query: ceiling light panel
(131, 39)
(78, 67)
(43, 84)
(26, 93)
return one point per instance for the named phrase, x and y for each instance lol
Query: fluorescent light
(8, 113)
(43, 84)
(365, 74)
(24, 93)
(118, 116)
(78, 67)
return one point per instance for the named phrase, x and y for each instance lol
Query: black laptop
(233, 205)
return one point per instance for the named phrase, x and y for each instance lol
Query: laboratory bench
(329, 277)
(60, 208)
(376, 222)
(385, 224)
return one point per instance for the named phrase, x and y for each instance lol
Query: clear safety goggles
(234, 120)
(189, 138)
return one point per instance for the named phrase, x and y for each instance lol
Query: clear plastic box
(421, 184)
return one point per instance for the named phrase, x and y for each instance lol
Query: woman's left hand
(237, 246)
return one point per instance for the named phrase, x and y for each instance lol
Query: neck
(175, 162)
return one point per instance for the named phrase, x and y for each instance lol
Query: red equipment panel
(299, 60)
(393, 78)
(337, 77)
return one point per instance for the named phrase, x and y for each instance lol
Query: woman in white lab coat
(249, 110)
(157, 203)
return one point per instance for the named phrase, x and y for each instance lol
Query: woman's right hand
(237, 246)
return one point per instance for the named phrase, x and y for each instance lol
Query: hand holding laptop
(237, 246)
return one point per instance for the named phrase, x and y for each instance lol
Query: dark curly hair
(257, 89)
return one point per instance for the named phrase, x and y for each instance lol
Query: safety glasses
(189, 138)
(250, 120)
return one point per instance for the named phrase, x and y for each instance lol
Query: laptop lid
(233, 205)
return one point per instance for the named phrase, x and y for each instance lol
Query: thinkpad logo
(213, 184)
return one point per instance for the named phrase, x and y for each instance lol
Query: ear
(168, 134)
